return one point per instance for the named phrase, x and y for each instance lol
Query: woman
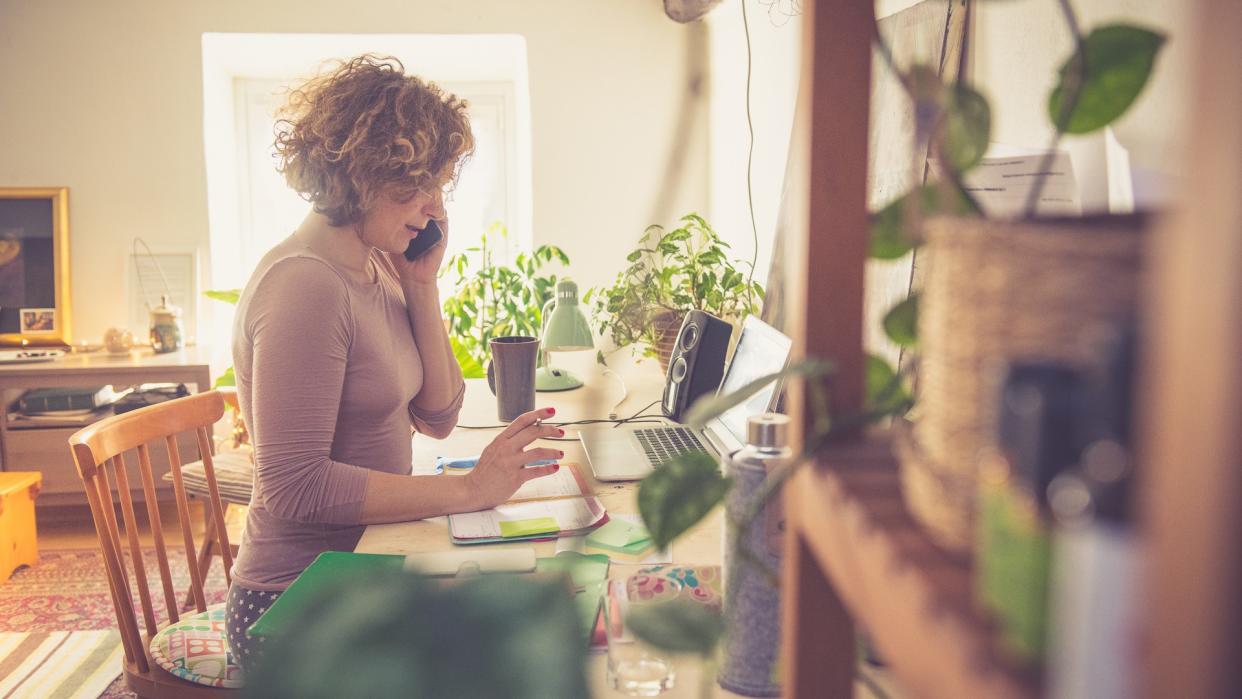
(339, 346)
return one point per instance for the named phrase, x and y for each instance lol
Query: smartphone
(427, 238)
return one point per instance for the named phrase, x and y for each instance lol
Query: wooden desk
(46, 449)
(703, 545)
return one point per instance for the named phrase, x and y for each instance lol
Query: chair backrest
(98, 450)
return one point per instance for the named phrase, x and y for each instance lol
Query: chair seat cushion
(196, 649)
(234, 476)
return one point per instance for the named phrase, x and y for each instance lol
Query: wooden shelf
(912, 599)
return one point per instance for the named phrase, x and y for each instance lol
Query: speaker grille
(689, 336)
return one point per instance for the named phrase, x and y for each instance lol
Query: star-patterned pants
(241, 610)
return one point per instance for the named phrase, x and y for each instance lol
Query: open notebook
(552, 506)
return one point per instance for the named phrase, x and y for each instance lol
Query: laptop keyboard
(661, 444)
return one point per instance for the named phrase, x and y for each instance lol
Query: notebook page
(570, 514)
(565, 483)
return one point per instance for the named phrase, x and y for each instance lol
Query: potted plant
(669, 273)
(490, 300)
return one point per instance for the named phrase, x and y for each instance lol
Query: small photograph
(35, 321)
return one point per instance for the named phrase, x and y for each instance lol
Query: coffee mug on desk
(511, 374)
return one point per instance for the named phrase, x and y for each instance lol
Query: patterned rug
(68, 591)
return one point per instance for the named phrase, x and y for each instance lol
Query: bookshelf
(855, 559)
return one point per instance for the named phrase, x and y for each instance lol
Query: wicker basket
(997, 292)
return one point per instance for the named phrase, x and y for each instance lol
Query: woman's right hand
(501, 468)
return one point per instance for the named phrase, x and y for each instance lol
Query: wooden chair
(227, 465)
(99, 453)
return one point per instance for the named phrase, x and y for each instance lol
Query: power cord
(750, 156)
(637, 418)
(625, 392)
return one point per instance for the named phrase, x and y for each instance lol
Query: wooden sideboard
(45, 449)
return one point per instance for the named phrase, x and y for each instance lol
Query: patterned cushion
(234, 476)
(196, 650)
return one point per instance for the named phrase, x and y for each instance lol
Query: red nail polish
(562, 454)
(551, 411)
(556, 467)
(560, 433)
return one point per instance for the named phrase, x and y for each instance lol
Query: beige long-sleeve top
(327, 370)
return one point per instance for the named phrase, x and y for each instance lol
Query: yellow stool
(19, 544)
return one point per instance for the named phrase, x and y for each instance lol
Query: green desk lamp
(565, 329)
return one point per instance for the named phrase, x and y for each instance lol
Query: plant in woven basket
(1096, 85)
(672, 272)
(491, 300)
(998, 291)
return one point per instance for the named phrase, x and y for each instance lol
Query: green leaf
(901, 322)
(225, 379)
(470, 366)
(889, 239)
(677, 626)
(891, 234)
(225, 295)
(886, 391)
(679, 494)
(966, 127)
(1118, 62)
(491, 636)
(633, 256)
(712, 406)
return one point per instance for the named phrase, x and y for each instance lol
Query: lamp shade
(567, 328)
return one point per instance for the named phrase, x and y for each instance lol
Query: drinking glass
(634, 667)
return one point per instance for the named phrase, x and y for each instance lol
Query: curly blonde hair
(367, 130)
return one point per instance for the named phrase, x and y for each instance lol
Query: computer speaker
(697, 362)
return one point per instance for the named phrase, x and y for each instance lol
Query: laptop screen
(761, 350)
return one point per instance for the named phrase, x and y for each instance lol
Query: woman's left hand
(426, 268)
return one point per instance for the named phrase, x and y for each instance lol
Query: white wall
(776, 51)
(1019, 46)
(106, 98)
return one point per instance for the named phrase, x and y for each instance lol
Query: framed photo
(34, 266)
(37, 321)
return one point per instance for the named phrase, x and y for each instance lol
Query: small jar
(118, 340)
(166, 330)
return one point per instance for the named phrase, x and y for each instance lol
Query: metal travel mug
(511, 374)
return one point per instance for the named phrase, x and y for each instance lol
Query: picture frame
(37, 321)
(34, 266)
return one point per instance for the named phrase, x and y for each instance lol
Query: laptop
(631, 452)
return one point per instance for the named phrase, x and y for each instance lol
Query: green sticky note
(529, 527)
(619, 534)
(581, 568)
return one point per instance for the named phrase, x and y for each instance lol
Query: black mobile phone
(427, 238)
